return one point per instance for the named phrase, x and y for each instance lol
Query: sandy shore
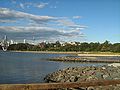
(98, 55)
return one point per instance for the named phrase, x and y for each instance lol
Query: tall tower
(5, 38)
(24, 41)
(11, 42)
(33, 40)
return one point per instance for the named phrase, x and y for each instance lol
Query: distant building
(8, 43)
(24, 41)
(14, 42)
(11, 42)
(72, 43)
(68, 43)
(5, 37)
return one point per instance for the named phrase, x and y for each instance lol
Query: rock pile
(86, 59)
(78, 74)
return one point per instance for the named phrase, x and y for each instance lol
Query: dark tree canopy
(87, 47)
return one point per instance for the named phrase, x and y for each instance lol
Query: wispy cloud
(6, 21)
(13, 1)
(69, 23)
(43, 27)
(38, 32)
(26, 5)
(11, 14)
(77, 17)
(53, 7)
(41, 5)
(22, 5)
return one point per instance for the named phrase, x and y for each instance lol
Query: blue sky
(63, 20)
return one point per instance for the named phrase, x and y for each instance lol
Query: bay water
(25, 67)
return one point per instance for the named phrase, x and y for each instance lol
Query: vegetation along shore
(67, 47)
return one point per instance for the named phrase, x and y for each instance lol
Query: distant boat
(5, 44)
(4, 49)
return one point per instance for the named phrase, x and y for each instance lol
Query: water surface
(20, 67)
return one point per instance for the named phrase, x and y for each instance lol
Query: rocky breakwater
(75, 59)
(86, 59)
(78, 74)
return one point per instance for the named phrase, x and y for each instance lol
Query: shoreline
(75, 53)
(52, 52)
(95, 55)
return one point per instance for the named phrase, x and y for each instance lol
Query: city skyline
(63, 20)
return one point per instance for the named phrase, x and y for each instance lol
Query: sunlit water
(19, 67)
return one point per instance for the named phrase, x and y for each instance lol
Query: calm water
(30, 67)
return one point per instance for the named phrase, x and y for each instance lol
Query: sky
(63, 20)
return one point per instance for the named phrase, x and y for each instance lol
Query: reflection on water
(31, 67)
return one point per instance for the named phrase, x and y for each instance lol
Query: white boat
(4, 49)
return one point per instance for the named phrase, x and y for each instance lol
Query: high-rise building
(24, 41)
(11, 42)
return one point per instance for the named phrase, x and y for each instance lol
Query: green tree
(84, 47)
(57, 43)
(106, 46)
(115, 47)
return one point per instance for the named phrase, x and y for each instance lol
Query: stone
(72, 79)
(98, 75)
(114, 64)
(78, 74)
(103, 68)
(90, 88)
(105, 76)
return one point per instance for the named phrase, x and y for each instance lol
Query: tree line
(85, 47)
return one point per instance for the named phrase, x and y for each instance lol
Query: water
(31, 67)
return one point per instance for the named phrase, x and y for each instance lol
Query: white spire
(24, 41)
